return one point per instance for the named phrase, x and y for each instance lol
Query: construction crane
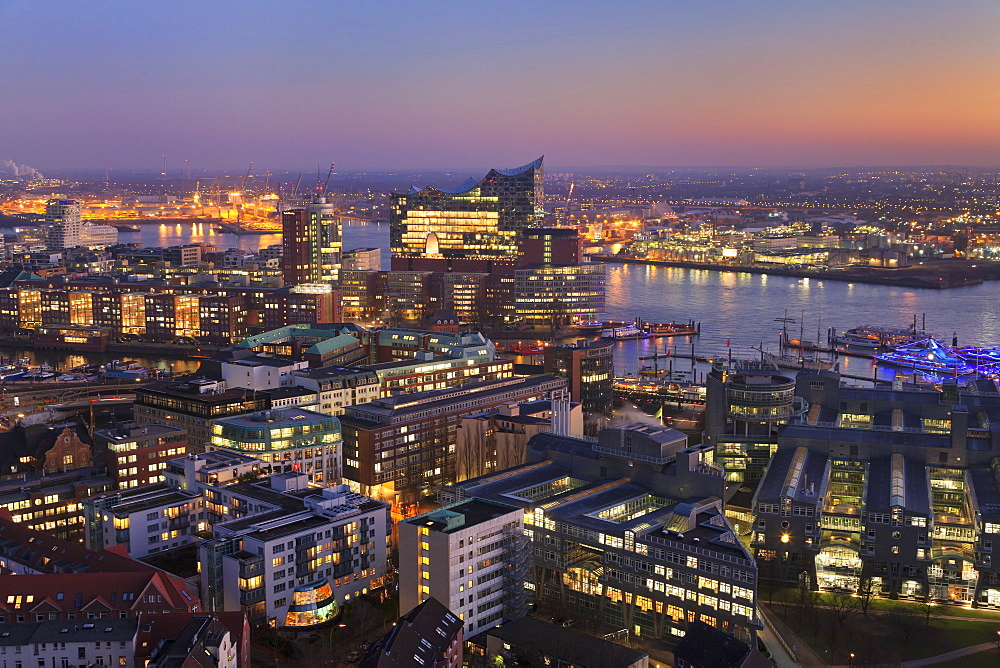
(569, 195)
(243, 184)
(267, 177)
(326, 185)
(298, 182)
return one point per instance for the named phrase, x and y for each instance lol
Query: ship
(797, 362)
(527, 349)
(927, 355)
(886, 338)
(629, 331)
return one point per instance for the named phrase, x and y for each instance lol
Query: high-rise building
(472, 555)
(64, 227)
(480, 221)
(589, 367)
(550, 245)
(311, 243)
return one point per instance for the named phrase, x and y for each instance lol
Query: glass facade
(311, 605)
(480, 219)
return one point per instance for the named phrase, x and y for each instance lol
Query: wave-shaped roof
(472, 182)
(522, 169)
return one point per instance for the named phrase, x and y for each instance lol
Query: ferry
(927, 355)
(587, 325)
(887, 338)
(629, 331)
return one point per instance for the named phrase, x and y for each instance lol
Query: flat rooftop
(461, 515)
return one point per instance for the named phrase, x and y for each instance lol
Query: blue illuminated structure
(930, 356)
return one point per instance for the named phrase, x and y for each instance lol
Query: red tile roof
(78, 593)
(42, 552)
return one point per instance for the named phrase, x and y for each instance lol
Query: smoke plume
(23, 171)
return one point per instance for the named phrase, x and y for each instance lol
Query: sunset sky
(440, 84)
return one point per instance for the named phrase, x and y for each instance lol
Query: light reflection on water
(742, 308)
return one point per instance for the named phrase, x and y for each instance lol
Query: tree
(867, 590)
(929, 610)
(906, 618)
(843, 604)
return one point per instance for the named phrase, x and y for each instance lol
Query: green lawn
(881, 637)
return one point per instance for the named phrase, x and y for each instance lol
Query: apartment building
(429, 634)
(274, 546)
(137, 453)
(300, 556)
(472, 556)
(337, 387)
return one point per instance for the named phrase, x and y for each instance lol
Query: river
(739, 309)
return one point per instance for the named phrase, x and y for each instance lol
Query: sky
(437, 84)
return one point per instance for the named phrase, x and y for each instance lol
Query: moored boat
(927, 355)
(886, 338)
(629, 331)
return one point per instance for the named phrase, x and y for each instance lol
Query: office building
(258, 372)
(336, 387)
(302, 304)
(588, 367)
(550, 245)
(628, 531)
(401, 447)
(472, 556)
(194, 405)
(498, 439)
(64, 226)
(554, 296)
(311, 243)
(466, 228)
(363, 259)
(429, 634)
(362, 295)
(285, 439)
(745, 406)
(893, 487)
